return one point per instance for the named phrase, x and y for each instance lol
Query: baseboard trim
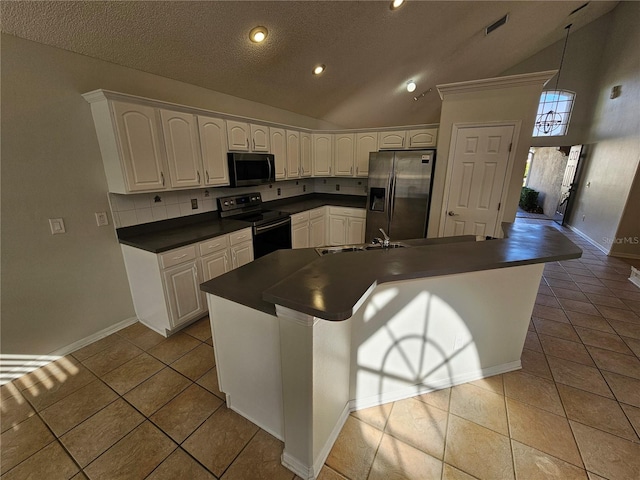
(625, 255)
(414, 390)
(589, 239)
(13, 369)
(311, 473)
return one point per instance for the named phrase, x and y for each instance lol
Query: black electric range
(271, 228)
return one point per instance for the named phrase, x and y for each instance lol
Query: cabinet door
(259, 138)
(279, 149)
(305, 155)
(365, 144)
(213, 147)
(293, 154)
(241, 254)
(337, 230)
(238, 136)
(138, 130)
(182, 287)
(355, 230)
(391, 140)
(425, 137)
(322, 154)
(182, 147)
(300, 235)
(344, 156)
(317, 231)
(215, 265)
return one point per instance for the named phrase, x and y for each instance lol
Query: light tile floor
(135, 405)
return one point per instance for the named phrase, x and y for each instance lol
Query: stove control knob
(226, 204)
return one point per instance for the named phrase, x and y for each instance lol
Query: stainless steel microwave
(247, 169)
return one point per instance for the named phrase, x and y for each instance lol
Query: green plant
(528, 199)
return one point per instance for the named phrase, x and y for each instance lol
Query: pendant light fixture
(555, 106)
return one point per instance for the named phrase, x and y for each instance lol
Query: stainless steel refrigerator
(399, 195)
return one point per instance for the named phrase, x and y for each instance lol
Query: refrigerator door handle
(392, 198)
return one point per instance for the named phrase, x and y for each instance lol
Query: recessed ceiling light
(396, 4)
(411, 86)
(258, 34)
(318, 69)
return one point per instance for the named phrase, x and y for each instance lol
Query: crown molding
(536, 78)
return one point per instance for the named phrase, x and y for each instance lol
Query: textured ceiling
(370, 51)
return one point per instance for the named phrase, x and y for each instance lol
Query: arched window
(554, 113)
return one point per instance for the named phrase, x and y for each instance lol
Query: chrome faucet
(385, 242)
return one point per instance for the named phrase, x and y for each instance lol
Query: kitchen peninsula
(301, 340)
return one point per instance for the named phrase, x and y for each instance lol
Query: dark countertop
(158, 237)
(329, 287)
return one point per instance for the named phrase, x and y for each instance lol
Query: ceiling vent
(579, 8)
(496, 25)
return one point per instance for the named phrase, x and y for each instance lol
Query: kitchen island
(301, 340)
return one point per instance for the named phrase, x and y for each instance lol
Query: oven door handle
(271, 226)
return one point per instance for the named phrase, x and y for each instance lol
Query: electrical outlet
(337, 187)
(157, 199)
(304, 188)
(279, 191)
(194, 204)
(206, 193)
(102, 219)
(57, 226)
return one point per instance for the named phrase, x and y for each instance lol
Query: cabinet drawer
(316, 212)
(178, 256)
(240, 236)
(347, 212)
(213, 245)
(300, 218)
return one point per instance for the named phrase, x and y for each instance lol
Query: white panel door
(344, 154)
(317, 231)
(293, 154)
(365, 144)
(259, 138)
(215, 265)
(183, 291)
(322, 154)
(182, 147)
(238, 135)
(241, 254)
(279, 150)
(213, 147)
(480, 156)
(139, 136)
(305, 155)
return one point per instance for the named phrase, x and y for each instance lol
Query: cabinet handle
(214, 246)
(226, 263)
(206, 172)
(403, 141)
(181, 256)
(329, 169)
(198, 176)
(285, 171)
(350, 170)
(356, 170)
(254, 143)
(162, 177)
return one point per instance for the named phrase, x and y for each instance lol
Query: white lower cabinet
(165, 287)
(346, 225)
(300, 230)
(318, 227)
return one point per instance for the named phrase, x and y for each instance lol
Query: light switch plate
(102, 219)
(57, 226)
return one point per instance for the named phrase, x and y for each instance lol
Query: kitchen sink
(362, 247)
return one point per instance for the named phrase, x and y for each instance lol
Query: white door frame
(505, 187)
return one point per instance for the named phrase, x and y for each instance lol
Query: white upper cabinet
(238, 135)
(322, 154)
(365, 144)
(422, 138)
(141, 150)
(404, 139)
(183, 148)
(306, 169)
(259, 138)
(395, 140)
(213, 148)
(344, 153)
(293, 154)
(279, 149)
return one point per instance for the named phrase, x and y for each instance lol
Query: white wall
(610, 206)
(59, 289)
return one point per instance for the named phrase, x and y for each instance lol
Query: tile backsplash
(140, 208)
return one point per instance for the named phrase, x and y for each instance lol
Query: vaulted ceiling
(370, 51)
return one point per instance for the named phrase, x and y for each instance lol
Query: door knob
(452, 214)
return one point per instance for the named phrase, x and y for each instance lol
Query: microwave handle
(269, 163)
